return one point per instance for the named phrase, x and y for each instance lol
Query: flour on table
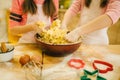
(60, 72)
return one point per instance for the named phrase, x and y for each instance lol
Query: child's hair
(29, 6)
(49, 8)
(103, 3)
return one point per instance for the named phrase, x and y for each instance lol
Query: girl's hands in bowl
(40, 26)
(73, 36)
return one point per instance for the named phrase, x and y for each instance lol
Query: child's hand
(72, 36)
(38, 26)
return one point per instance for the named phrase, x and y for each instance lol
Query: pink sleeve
(113, 10)
(16, 14)
(75, 7)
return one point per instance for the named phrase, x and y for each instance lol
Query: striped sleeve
(75, 7)
(113, 10)
(16, 16)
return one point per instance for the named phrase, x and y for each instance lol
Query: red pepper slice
(70, 63)
(109, 68)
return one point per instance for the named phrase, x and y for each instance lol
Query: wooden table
(56, 68)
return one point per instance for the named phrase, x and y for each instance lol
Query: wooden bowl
(57, 50)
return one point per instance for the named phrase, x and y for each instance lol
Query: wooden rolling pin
(3, 47)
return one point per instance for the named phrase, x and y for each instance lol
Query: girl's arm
(110, 17)
(23, 29)
(96, 24)
(71, 12)
(17, 19)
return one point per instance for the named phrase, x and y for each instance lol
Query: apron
(88, 14)
(39, 16)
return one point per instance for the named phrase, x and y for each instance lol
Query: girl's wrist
(78, 31)
(34, 26)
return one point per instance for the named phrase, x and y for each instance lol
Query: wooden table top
(56, 68)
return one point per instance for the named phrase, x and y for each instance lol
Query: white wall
(4, 5)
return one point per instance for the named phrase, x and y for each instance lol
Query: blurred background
(113, 31)
(4, 7)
